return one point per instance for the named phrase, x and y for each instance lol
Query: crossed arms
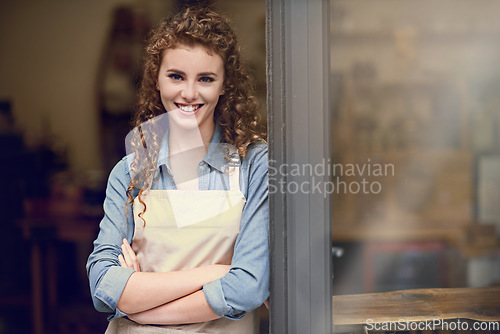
(148, 298)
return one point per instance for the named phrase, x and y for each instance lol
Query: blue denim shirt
(245, 287)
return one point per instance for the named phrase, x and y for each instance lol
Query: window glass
(415, 138)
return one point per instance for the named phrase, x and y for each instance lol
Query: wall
(48, 64)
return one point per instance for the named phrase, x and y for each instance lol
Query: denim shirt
(245, 287)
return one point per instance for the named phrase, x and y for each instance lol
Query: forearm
(145, 290)
(189, 309)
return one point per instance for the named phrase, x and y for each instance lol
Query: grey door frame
(298, 72)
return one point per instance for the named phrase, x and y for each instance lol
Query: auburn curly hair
(237, 109)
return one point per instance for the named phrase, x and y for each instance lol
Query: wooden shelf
(418, 231)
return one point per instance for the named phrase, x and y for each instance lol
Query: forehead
(192, 56)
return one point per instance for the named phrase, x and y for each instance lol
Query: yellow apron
(187, 229)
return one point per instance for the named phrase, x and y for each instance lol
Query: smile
(189, 108)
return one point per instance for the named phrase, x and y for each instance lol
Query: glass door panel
(415, 144)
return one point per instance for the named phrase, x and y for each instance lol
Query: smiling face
(190, 81)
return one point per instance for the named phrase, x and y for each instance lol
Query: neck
(182, 140)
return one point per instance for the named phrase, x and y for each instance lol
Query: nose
(189, 91)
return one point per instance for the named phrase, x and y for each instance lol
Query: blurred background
(415, 118)
(68, 77)
(416, 103)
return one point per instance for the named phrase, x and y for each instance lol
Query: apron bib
(184, 229)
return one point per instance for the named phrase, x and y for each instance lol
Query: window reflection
(415, 87)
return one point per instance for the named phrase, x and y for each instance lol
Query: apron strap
(233, 168)
(234, 178)
(234, 174)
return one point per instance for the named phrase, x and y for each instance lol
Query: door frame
(298, 75)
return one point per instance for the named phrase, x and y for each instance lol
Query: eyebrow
(173, 70)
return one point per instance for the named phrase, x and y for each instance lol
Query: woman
(183, 245)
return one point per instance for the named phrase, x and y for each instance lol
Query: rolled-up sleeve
(106, 277)
(246, 286)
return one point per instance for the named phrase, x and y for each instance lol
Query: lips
(189, 109)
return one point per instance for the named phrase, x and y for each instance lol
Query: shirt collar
(217, 151)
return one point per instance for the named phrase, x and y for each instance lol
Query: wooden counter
(480, 304)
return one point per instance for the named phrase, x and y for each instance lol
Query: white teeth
(189, 108)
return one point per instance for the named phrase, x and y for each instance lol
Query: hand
(128, 259)
(266, 303)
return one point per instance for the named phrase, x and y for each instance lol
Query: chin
(187, 124)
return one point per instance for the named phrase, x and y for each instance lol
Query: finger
(126, 256)
(131, 254)
(122, 261)
(133, 257)
(266, 303)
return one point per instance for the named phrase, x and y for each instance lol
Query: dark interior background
(69, 73)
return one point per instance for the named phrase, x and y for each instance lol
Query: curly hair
(237, 109)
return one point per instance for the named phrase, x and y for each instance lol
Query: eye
(206, 79)
(175, 76)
